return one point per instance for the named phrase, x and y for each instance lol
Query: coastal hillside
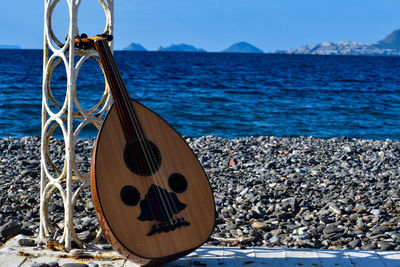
(180, 48)
(390, 45)
(391, 41)
(134, 47)
(242, 47)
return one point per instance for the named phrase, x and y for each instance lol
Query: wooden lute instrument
(151, 195)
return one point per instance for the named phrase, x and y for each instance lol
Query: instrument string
(118, 101)
(139, 135)
(148, 152)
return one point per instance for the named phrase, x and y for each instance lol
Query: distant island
(10, 47)
(181, 48)
(134, 47)
(390, 45)
(242, 47)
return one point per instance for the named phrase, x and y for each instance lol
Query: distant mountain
(242, 47)
(134, 47)
(10, 47)
(181, 48)
(392, 41)
(390, 45)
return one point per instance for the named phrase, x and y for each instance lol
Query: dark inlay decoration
(160, 205)
(168, 226)
(177, 182)
(130, 195)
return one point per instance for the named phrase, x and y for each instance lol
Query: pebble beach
(298, 192)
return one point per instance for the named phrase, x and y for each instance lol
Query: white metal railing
(63, 115)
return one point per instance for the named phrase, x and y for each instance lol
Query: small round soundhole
(142, 157)
(130, 195)
(177, 182)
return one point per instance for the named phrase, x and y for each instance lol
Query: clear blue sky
(211, 24)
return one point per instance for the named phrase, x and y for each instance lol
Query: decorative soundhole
(177, 182)
(130, 195)
(142, 157)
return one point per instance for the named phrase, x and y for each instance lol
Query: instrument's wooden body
(153, 239)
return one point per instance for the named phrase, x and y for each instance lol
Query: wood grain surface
(109, 174)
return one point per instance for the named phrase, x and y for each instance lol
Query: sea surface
(228, 95)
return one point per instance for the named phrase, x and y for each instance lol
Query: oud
(151, 195)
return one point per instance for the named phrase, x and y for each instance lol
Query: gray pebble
(38, 265)
(369, 247)
(25, 242)
(355, 243)
(384, 245)
(274, 239)
(10, 229)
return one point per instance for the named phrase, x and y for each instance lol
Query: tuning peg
(109, 38)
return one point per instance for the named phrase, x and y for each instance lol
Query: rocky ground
(277, 192)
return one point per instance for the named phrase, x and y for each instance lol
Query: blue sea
(228, 95)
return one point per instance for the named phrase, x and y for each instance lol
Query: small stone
(309, 217)
(384, 245)
(334, 208)
(267, 236)
(300, 237)
(332, 229)
(270, 165)
(27, 232)
(25, 242)
(230, 227)
(107, 247)
(355, 243)
(284, 216)
(280, 188)
(38, 265)
(369, 247)
(244, 191)
(74, 265)
(232, 162)
(86, 236)
(376, 212)
(361, 209)
(77, 252)
(292, 226)
(354, 217)
(347, 149)
(380, 229)
(10, 229)
(274, 239)
(260, 225)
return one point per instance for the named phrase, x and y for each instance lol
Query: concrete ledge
(12, 254)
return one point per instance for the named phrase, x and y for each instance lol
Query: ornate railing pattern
(68, 116)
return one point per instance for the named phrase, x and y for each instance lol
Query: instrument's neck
(122, 100)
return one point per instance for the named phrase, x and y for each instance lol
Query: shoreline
(292, 192)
